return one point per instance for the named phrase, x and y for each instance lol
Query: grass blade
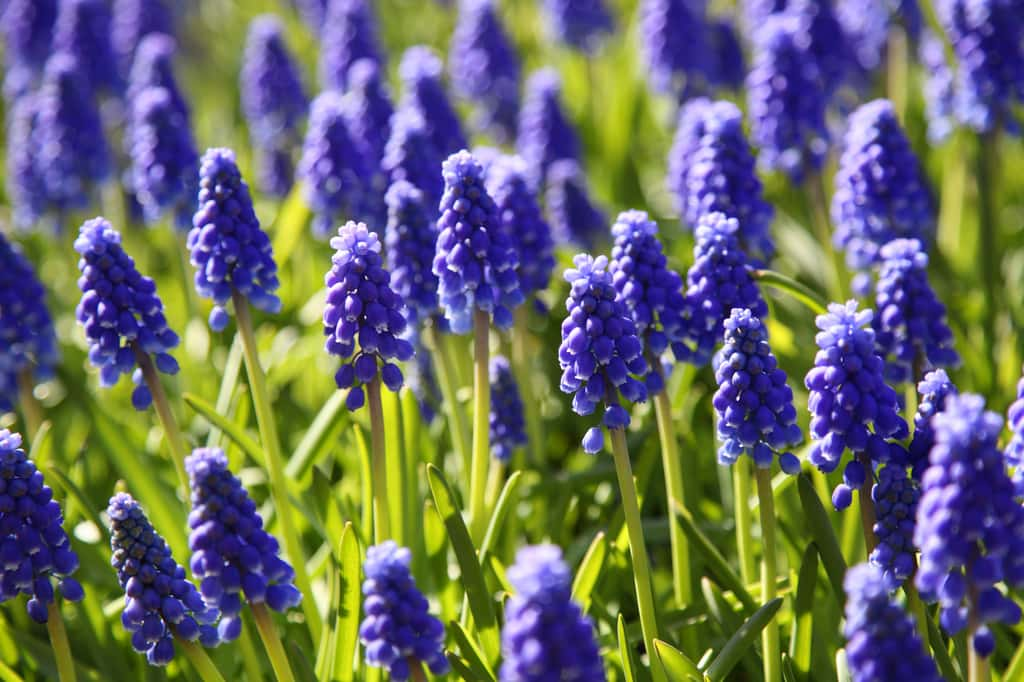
(629, 666)
(471, 653)
(824, 536)
(741, 641)
(716, 563)
(346, 629)
(321, 435)
(803, 613)
(675, 662)
(228, 427)
(590, 570)
(501, 507)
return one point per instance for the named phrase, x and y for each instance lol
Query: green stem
(179, 450)
(521, 349)
(823, 230)
(988, 242)
(867, 505)
(977, 665)
(896, 70)
(769, 588)
(741, 508)
(271, 642)
(481, 426)
(274, 463)
(31, 411)
(804, 294)
(917, 608)
(378, 463)
(199, 659)
(449, 391)
(637, 549)
(951, 197)
(59, 642)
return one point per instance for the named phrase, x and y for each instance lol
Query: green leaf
(629, 667)
(41, 442)
(945, 663)
(719, 608)
(842, 669)
(800, 292)
(72, 489)
(470, 652)
(291, 223)
(788, 674)
(590, 570)
(300, 663)
(675, 662)
(824, 536)
(346, 629)
(228, 385)
(461, 668)
(321, 435)
(325, 655)
(501, 507)
(742, 640)
(230, 428)
(803, 612)
(716, 563)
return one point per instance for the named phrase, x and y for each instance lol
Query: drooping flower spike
(675, 66)
(27, 27)
(507, 423)
(160, 604)
(575, 218)
(546, 134)
(33, 544)
(411, 155)
(131, 22)
(230, 252)
(423, 91)
(83, 31)
(895, 496)
(934, 391)
(364, 319)
(348, 34)
(409, 241)
(600, 354)
(580, 24)
(120, 312)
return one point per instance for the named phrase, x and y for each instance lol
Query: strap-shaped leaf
(716, 564)
(590, 570)
(741, 641)
(676, 663)
(824, 536)
(230, 428)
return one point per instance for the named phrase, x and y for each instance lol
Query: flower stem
(917, 608)
(179, 451)
(867, 505)
(524, 376)
(896, 70)
(271, 642)
(59, 642)
(481, 426)
(199, 659)
(637, 549)
(770, 634)
(741, 509)
(446, 377)
(31, 411)
(988, 242)
(416, 670)
(977, 665)
(378, 463)
(274, 464)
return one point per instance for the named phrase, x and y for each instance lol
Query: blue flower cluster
(547, 636)
(1015, 448)
(882, 644)
(398, 631)
(545, 132)
(970, 527)
(27, 27)
(25, 189)
(420, 71)
(159, 602)
(848, 394)
(825, 39)
(82, 30)
(754, 402)
(580, 24)
(363, 319)
(895, 496)
(229, 250)
(475, 261)
(880, 189)
(120, 312)
(409, 243)
(348, 33)
(154, 67)
(934, 389)
(411, 155)
(34, 548)
(866, 27)
(368, 111)
(730, 66)
(507, 423)
(232, 555)
(685, 143)
(938, 85)
(131, 22)
(676, 66)
(600, 349)
(575, 218)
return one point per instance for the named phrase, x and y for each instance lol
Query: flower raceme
(507, 423)
(409, 244)
(575, 218)
(423, 91)
(348, 34)
(934, 390)
(411, 155)
(83, 30)
(545, 132)
(581, 24)
(895, 497)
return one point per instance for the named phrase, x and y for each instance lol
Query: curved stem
(31, 411)
(741, 509)
(769, 589)
(271, 642)
(199, 659)
(179, 450)
(481, 427)
(378, 463)
(867, 504)
(59, 641)
(446, 377)
(916, 607)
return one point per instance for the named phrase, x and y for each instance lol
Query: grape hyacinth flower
(398, 631)
(232, 255)
(27, 27)
(754, 402)
(730, 68)
(33, 543)
(120, 312)
(420, 71)
(718, 281)
(313, 13)
(882, 644)
(331, 169)
(507, 423)
(676, 66)
(934, 390)
(911, 332)
(485, 68)
(895, 497)
(368, 112)
(938, 86)
(848, 394)
(348, 34)
(600, 349)
(575, 219)
(580, 24)
(475, 261)
(160, 604)
(880, 190)
(409, 243)
(154, 67)
(233, 557)
(25, 189)
(866, 27)
(547, 635)
(545, 132)
(131, 22)
(970, 527)
(411, 155)
(273, 101)
(83, 31)
(364, 318)
(1015, 448)
(825, 39)
(685, 143)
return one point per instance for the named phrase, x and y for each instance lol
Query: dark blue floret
(25, 189)
(423, 91)
(1015, 448)
(348, 33)
(27, 27)
(545, 132)
(581, 24)
(547, 636)
(410, 242)
(601, 354)
(825, 39)
(160, 604)
(411, 155)
(132, 21)
(398, 630)
(120, 312)
(233, 557)
(938, 86)
(229, 250)
(575, 219)
(895, 497)
(507, 423)
(730, 67)
(676, 52)
(83, 31)
(934, 390)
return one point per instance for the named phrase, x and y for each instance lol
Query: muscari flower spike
(934, 389)
(675, 66)
(880, 190)
(273, 100)
(25, 189)
(131, 22)
(153, 66)
(718, 281)
(866, 27)
(476, 260)
(83, 31)
(730, 67)
(420, 72)
(313, 13)
(970, 527)
(233, 557)
(229, 250)
(1015, 448)
(27, 27)
(600, 354)
(160, 604)
(545, 132)
(685, 143)
(937, 85)
(547, 636)
(411, 155)
(34, 548)
(754, 402)
(398, 631)
(580, 24)
(848, 394)
(409, 243)
(895, 496)
(120, 312)
(348, 33)
(825, 39)
(368, 111)
(882, 644)
(507, 423)
(421, 378)
(364, 319)
(575, 218)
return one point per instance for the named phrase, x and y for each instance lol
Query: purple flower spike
(348, 34)
(411, 155)
(545, 132)
(154, 67)
(934, 391)
(132, 21)
(895, 497)
(676, 66)
(730, 67)
(575, 218)
(938, 85)
(580, 24)
(410, 241)
(368, 111)
(1015, 448)
(25, 188)
(83, 31)
(27, 28)
(424, 92)
(507, 423)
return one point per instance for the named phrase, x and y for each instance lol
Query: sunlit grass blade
(230, 429)
(741, 641)
(716, 563)
(590, 570)
(824, 536)
(629, 666)
(346, 628)
(471, 653)
(675, 662)
(321, 435)
(803, 613)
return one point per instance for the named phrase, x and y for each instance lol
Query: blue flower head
(229, 250)
(33, 545)
(83, 31)
(27, 28)
(880, 189)
(934, 391)
(313, 13)
(718, 281)
(160, 604)
(364, 319)
(1015, 448)
(547, 635)
(580, 24)
(601, 354)
(411, 155)
(866, 26)
(132, 21)
(410, 241)
(120, 312)
(348, 34)
(848, 394)
(675, 65)
(575, 218)
(970, 527)
(398, 630)
(545, 132)
(895, 497)
(476, 260)
(233, 557)
(938, 86)
(824, 36)
(690, 128)
(420, 70)
(421, 378)
(368, 111)
(507, 423)
(25, 189)
(730, 67)
(154, 67)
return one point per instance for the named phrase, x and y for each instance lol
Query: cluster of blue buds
(132, 21)
(398, 631)
(154, 67)
(545, 132)
(934, 390)
(1015, 448)
(867, 25)
(160, 604)
(895, 497)
(423, 91)
(348, 33)
(83, 31)
(676, 66)
(580, 24)
(120, 312)
(409, 243)
(685, 143)
(364, 319)
(233, 557)
(25, 189)
(507, 423)
(575, 218)
(411, 155)
(600, 354)
(938, 86)
(368, 111)
(730, 66)
(27, 28)
(229, 250)
(828, 44)
(34, 549)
